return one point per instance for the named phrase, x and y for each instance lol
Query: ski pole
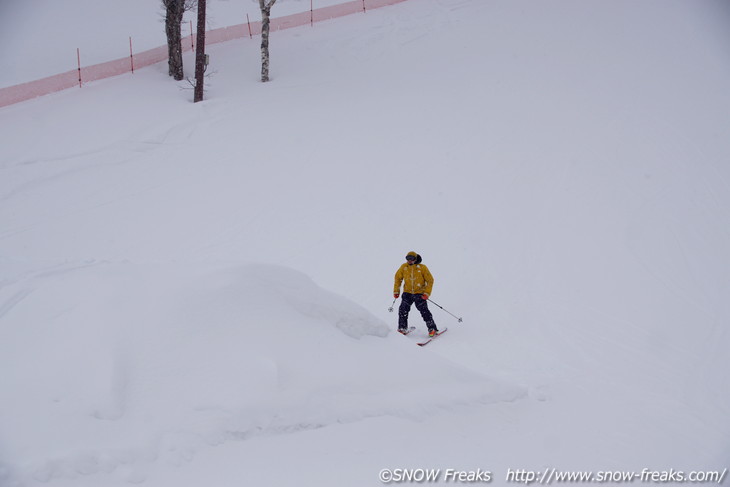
(391, 306)
(452, 314)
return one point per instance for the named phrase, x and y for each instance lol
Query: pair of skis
(430, 339)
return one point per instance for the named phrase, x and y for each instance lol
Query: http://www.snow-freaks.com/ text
(549, 476)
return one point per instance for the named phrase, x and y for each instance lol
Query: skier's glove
(425, 297)
(396, 295)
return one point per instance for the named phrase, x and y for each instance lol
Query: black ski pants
(407, 299)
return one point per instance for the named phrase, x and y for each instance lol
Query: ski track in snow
(28, 281)
(13, 300)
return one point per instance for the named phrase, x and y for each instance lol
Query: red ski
(423, 344)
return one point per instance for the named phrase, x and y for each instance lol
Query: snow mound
(315, 303)
(114, 366)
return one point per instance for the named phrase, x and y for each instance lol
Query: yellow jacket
(416, 279)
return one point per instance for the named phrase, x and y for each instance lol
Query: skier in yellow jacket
(417, 285)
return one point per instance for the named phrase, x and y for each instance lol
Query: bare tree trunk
(174, 11)
(200, 54)
(265, 28)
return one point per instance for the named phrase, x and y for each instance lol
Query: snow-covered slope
(120, 364)
(561, 166)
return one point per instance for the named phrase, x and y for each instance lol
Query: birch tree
(265, 28)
